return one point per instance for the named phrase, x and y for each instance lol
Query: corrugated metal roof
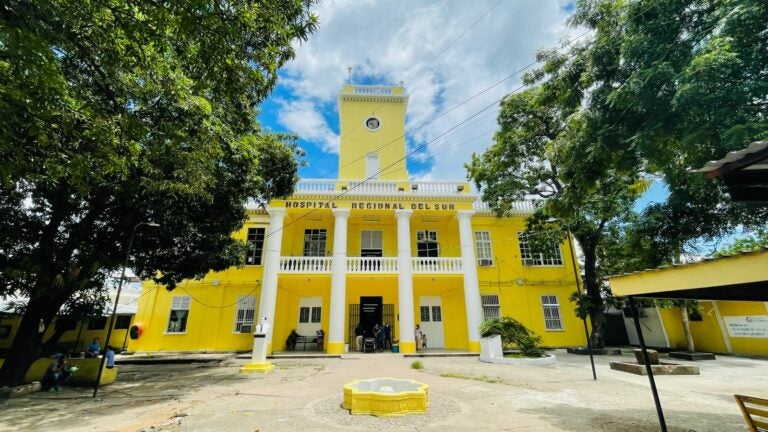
(733, 156)
(708, 259)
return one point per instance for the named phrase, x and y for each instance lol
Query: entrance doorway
(370, 313)
(387, 316)
(431, 324)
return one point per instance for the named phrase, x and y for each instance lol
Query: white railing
(316, 185)
(523, 206)
(437, 265)
(438, 188)
(372, 187)
(371, 265)
(305, 265)
(372, 90)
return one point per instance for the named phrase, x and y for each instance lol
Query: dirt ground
(465, 394)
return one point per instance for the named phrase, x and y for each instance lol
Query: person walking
(380, 339)
(387, 336)
(359, 337)
(417, 336)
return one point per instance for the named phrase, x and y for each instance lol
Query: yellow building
(370, 247)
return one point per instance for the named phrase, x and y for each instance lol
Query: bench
(306, 343)
(755, 411)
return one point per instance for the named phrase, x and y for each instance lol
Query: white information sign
(754, 326)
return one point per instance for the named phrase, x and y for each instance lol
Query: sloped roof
(745, 172)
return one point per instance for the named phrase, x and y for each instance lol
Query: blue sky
(445, 52)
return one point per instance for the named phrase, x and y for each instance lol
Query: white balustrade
(522, 206)
(371, 264)
(372, 187)
(438, 188)
(315, 185)
(371, 90)
(437, 265)
(305, 264)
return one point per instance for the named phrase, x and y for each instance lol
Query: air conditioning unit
(486, 262)
(246, 328)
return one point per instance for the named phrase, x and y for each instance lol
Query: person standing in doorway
(387, 336)
(359, 337)
(417, 336)
(380, 339)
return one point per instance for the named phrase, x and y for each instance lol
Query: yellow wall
(357, 141)
(69, 339)
(741, 345)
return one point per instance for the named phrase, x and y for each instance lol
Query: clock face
(372, 123)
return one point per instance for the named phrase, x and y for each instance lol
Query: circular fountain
(386, 397)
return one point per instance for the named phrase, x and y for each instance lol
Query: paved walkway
(465, 394)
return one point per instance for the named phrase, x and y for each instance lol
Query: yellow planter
(386, 397)
(85, 375)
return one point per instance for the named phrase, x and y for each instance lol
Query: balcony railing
(370, 265)
(437, 265)
(382, 187)
(305, 265)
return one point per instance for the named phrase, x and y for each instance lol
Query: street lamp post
(117, 299)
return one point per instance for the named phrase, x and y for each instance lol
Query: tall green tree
(532, 157)
(118, 112)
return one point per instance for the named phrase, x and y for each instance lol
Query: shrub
(512, 332)
(417, 365)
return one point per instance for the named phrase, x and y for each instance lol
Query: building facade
(371, 247)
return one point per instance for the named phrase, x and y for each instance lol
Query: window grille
(483, 248)
(316, 313)
(424, 313)
(491, 307)
(552, 319)
(246, 310)
(177, 321)
(531, 257)
(303, 314)
(437, 314)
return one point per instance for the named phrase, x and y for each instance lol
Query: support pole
(577, 276)
(648, 368)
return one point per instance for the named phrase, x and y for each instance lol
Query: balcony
(371, 265)
(383, 188)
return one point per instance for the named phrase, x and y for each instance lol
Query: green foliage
(417, 364)
(118, 112)
(757, 241)
(512, 332)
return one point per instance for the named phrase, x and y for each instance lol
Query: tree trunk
(592, 290)
(27, 345)
(687, 327)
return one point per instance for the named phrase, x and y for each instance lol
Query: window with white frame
(314, 242)
(424, 313)
(371, 244)
(246, 310)
(483, 248)
(491, 306)
(304, 314)
(552, 319)
(255, 244)
(177, 321)
(426, 243)
(372, 166)
(316, 314)
(531, 257)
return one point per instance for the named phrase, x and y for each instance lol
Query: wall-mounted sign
(754, 326)
(371, 205)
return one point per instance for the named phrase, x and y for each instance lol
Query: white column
(274, 241)
(405, 281)
(338, 283)
(471, 286)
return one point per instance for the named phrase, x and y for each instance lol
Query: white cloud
(397, 40)
(304, 118)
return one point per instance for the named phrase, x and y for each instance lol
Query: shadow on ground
(569, 418)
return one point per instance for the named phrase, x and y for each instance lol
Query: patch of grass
(483, 378)
(417, 364)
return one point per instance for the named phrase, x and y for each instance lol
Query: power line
(418, 73)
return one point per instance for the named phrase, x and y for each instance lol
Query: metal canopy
(745, 172)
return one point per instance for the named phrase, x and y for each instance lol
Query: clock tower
(372, 128)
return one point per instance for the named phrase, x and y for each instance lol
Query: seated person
(290, 343)
(94, 348)
(56, 373)
(110, 354)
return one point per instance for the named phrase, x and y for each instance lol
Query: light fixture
(460, 188)
(401, 189)
(414, 187)
(343, 188)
